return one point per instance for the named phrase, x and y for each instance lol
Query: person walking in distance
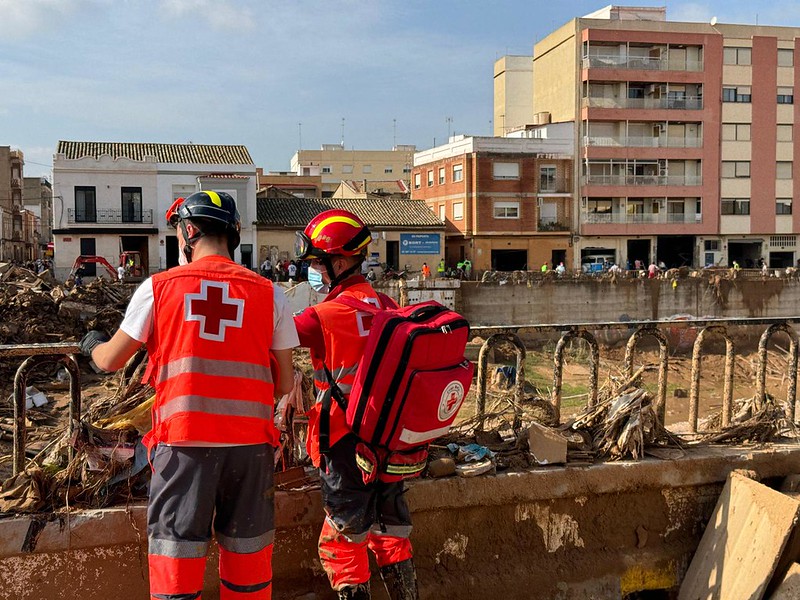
(211, 327)
(426, 272)
(358, 516)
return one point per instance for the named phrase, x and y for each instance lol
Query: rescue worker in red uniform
(358, 516)
(210, 327)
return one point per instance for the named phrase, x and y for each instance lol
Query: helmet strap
(188, 248)
(343, 275)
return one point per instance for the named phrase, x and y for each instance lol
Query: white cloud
(22, 18)
(220, 14)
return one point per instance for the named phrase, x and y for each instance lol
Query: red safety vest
(209, 355)
(344, 331)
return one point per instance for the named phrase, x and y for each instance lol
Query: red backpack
(409, 386)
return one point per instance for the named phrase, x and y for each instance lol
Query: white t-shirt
(292, 270)
(138, 321)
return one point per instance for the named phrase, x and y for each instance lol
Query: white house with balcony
(112, 197)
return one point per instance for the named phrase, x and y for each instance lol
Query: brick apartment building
(684, 133)
(507, 203)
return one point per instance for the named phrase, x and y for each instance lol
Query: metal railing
(681, 180)
(110, 216)
(642, 63)
(687, 103)
(649, 218)
(554, 185)
(643, 141)
(656, 329)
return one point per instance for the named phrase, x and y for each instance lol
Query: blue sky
(248, 71)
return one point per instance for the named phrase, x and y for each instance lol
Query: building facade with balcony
(334, 164)
(685, 135)
(37, 197)
(507, 203)
(112, 197)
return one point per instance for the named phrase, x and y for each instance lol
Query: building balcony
(658, 218)
(110, 216)
(617, 180)
(643, 142)
(555, 185)
(16, 236)
(16, 183)
(641, 63)
(685, 103)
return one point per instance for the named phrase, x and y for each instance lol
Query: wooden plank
(742, 544)
(789, 589)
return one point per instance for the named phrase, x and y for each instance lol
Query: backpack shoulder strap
(332, 393)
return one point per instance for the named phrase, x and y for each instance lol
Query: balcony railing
(640, 218)
(110, 216)
(555, 185)
(16, 182)
(682, 180)
(687, 103)
(553, 224)
(642, 63)
(643, 141)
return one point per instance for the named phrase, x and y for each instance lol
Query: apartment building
(507, 203)
(513, 90)
(37, 196)
(685, 135)
(112, 197)
(290, 182)
(333, 163)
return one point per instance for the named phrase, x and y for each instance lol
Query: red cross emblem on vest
(214, 309)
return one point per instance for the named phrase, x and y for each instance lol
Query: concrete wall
(639, 299)
(564, 533)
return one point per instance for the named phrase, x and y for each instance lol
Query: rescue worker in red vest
(358, 516)
(210, 327)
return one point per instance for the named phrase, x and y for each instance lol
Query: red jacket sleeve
(309, 330)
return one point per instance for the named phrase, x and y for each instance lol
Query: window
(785, 95)
(441, 175)
(711, 245)
(602, 206)
(347, 168)
(783, 169)
(783, 206)
(430, 178)
(417, 178)
(736, 56)
(458, 172)
(366, 169)
(547, 179)
(736, 206)
(785, 57)
(458, 211)
(85, 204)
(406, 169)
(506, 210)
(442, 212)
(388, 170)
(505, 170)
(327, 169)
(735, 168)
(784, 133)
(131, 205)
(739, 132)
(741, 93)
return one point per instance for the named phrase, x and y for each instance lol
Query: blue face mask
(315, 280)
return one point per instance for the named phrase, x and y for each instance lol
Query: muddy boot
(355, 592)
(400, 580)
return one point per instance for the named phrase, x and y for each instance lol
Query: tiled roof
(381, 212)
(206, 154)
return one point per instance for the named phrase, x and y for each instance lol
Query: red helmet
(333, 233)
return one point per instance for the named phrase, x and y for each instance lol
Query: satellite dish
(713, 21)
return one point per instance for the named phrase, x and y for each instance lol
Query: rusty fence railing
(37, 355)
(499, 335)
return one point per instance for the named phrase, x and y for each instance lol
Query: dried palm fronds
(751, 424)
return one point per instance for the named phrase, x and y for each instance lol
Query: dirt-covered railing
(656, 329)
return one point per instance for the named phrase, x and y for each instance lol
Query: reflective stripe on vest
(217, 368)
(220, 407)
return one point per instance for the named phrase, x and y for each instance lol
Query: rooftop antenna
(394, 133)
(449, 123)
(342, 142)
(299, 136)
(713, 21)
